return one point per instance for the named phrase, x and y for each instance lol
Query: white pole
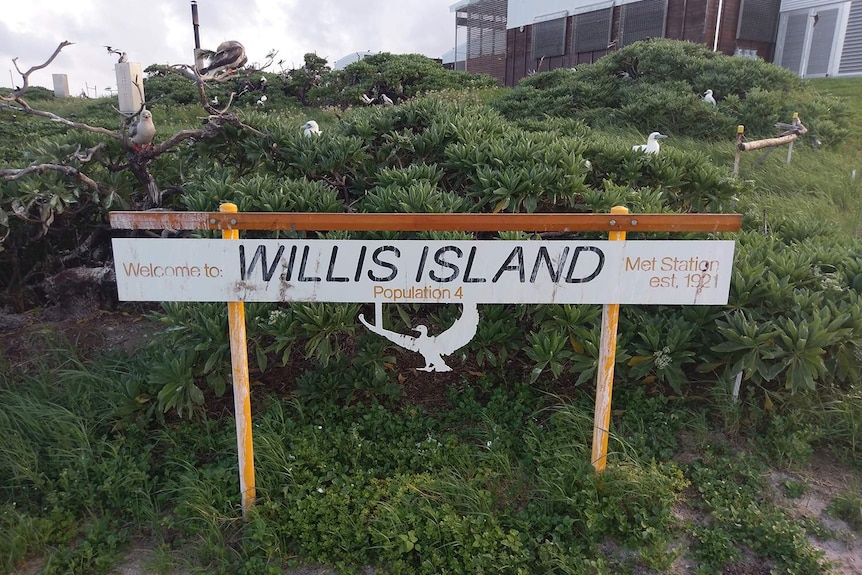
(717, 25)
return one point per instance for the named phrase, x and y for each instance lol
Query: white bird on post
(310, 128)
(652, 145)
(707, 97)
(143, 131)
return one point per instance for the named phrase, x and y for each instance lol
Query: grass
(406, 489)
(848, 89)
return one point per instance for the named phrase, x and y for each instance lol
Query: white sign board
(683, 272)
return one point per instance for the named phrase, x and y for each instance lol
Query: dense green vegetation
(356, 465)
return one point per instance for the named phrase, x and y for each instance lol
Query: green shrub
(656, 84)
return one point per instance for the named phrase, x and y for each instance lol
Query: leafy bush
(656, 85)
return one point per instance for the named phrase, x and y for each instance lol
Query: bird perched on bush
(228, 56)
(310, 128)
(707, 97)
(142, 131)
(652, 145)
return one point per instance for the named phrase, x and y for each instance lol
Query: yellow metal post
(241, 393)
(795, 121)
(605, 377)
(740, 133)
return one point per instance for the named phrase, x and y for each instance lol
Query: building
(454, 59)
(509, 39)
(818, 38)
(349, 59)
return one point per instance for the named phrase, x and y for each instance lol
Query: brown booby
(229, 55)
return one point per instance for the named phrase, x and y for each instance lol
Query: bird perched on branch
(652, 146)
(228, 56)
(310, 128)
(707, 97)
(123, 57)
(142, 131)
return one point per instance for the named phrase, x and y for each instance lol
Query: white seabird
(707, 97)
(386, 100)
(310, 128)
(652, 145)
(142, 131)
(229, 55)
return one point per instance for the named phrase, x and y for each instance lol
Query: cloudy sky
(160, 31)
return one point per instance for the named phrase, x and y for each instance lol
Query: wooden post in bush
(241, 392)
(792, 132)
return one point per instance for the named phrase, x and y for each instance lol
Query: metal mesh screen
(485, 24)
(642, 20)
(822, 40)
(549, 38)
(592, 30)
(758, 20)
(794, 41)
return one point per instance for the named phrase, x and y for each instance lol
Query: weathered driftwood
(767, 143)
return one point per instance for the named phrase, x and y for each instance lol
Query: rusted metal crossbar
(300, 221)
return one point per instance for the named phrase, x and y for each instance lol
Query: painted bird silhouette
(433, 348)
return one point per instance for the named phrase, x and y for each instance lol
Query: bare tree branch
(11, 174)
(138, 160)
(16, 95)
(88, 154)
(26, 109)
